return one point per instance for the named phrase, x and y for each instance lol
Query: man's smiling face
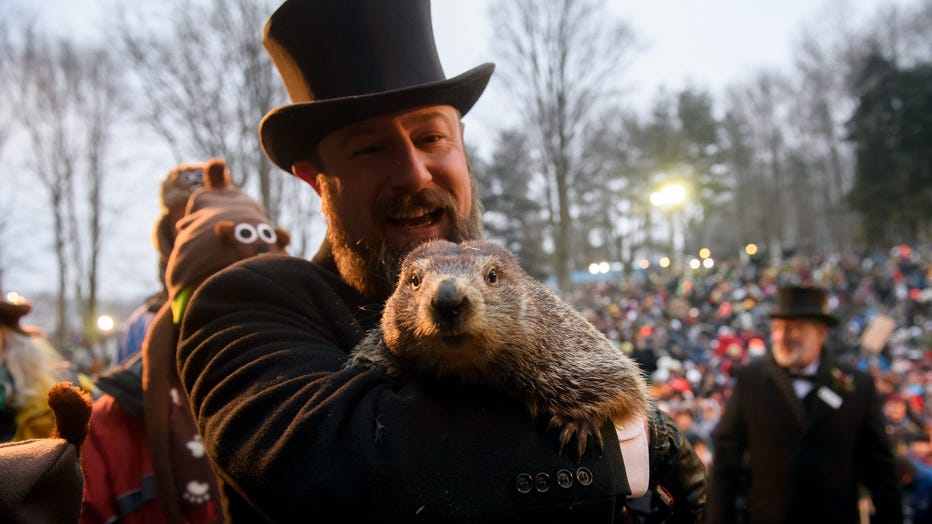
(389, 183)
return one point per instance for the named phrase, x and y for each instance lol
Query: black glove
(677, 476)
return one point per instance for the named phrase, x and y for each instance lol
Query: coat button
(564, 478)
(584, 476)
(524, 483)
(542, 482)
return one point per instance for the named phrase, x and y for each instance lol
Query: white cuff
(632, 437)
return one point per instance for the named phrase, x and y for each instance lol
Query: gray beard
(370, 264)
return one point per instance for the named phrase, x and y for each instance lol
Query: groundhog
(469, 312)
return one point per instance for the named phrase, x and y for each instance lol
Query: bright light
(644, 263)
(694, 263)
(669, 195)
(664, 262)
(105, 324)
(15, 298)
(705, 253)
(708, 263)
(656, 199)
(751, 249)
(599, 267)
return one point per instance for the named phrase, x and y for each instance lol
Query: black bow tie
(803, 376)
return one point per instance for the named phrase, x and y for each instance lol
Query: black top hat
(803, 302)
(347, 60)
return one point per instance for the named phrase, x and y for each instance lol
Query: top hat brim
(10, 313)
(826, 319)
(289, 133)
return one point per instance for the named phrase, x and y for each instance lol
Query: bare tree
(559, 59)
(68, 100)
(205, 86)
(7, 217)
(763, 104)
(98, 104)
(45, 74)
(746, 210)
(620, 169)
(207, 81)
(822, 66)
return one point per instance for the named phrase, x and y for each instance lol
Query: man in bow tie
(801, 433)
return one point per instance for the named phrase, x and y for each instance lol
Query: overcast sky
(703, 43)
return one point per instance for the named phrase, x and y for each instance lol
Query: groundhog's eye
(414, 280)
(492, 276)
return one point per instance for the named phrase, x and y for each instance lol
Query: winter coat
(292, 432)
(801, 460)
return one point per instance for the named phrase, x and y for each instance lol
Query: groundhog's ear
(224, 230)
(284, 238)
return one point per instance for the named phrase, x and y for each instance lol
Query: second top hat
(803, 302)
(347, 60)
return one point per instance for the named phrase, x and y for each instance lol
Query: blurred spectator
(29, 368)
(143, 457)
(901, 425)
(916, 478)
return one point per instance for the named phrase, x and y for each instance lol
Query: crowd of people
(690, 330)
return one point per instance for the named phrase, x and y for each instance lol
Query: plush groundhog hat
(40, 479)
(222, 225)
(343, 61)
(177, 186)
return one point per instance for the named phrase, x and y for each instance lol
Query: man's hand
(677, 476)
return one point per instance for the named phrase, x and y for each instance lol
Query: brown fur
(468, 311)
(72, 408)
(215, 174)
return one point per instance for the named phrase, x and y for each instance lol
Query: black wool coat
(801, 461)
(295, 437)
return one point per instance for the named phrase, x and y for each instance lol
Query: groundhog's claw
(581, 430)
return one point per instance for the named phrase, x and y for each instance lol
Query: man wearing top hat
(801, 433)
(375, 129)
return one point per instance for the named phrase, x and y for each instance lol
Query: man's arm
(676, 469)
(262, 356)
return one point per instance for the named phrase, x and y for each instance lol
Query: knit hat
(216, 219)
(179, 183)
(40, 479)
(177, 186)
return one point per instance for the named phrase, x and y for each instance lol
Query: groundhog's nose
(448, 302)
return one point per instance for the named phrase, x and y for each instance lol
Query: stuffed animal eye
(414, 280)
(245, 233)
(267, 233)
(492, 276)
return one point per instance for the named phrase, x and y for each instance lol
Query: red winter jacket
(119, 484)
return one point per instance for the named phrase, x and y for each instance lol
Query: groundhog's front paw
(582, 430)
